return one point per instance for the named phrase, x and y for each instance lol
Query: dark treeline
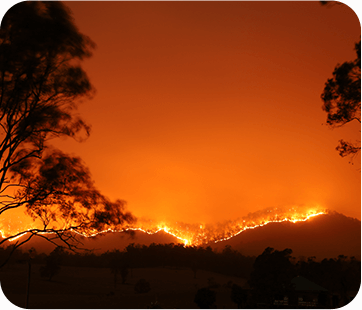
(228, 261)
(341, 274)
(270, 276)
(332, 273)
(279, 279)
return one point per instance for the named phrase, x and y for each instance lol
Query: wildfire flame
(200, 234)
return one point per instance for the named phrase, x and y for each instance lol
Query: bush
(239, 296)
(142, 286)
(205, 298)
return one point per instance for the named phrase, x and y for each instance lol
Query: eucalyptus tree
(342, 100)
(41, 85)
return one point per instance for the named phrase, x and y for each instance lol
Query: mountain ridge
(324, 236)
(327, 235)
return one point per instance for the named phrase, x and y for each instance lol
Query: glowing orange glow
(207, 115)
(207, 111)
(194, 235)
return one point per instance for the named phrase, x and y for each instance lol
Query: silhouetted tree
(329, 3)
(239, 296)
(52, 266)
(41, 84)
(134, 256)
(338, 275)
(272, 274)
(353, 274)
(342, 99)
(205, 298)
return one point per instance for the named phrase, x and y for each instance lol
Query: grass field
(89, 288)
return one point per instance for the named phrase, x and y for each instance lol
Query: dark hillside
(324, 236)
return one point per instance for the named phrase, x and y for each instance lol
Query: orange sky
(206, 111)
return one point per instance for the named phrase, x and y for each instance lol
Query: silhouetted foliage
(228, 262)
(340, 275)
(269, 282)
(239, 296)
(205, 298)
(41, 84)
(52, 266)
(272, 274)
(142, 287)
(342, 99)
(329, 3)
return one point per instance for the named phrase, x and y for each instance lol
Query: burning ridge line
(198, 236)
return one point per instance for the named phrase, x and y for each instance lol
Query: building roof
(303, 284)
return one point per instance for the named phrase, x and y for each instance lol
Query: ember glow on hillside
(200, 234)
(204, 234)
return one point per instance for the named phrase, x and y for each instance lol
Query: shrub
(239, 296)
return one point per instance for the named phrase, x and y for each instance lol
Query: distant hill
(324, 236)
(327, 235)
(110, 241)
(106, 242)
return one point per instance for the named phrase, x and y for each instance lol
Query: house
(303, 294)
(299, 293)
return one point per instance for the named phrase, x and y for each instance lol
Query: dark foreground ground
(93, 288)
(88, 288)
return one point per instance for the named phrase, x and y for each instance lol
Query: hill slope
(327, 235)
